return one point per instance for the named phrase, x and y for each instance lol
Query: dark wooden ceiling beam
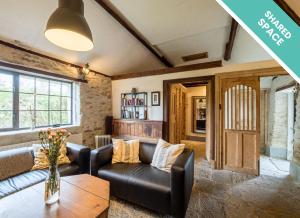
(190, 67)
(230, 43)
(11, 45)
(138, 36)
(288, 10)
(195, 56)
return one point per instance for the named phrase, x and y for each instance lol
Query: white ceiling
(175, 27)
(116, 51)
(185, 27)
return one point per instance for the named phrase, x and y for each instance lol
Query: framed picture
(199, 114)
(155, 98)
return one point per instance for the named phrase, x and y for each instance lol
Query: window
(6, 101)
(31, 100)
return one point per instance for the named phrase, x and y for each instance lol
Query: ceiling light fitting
(68, 28)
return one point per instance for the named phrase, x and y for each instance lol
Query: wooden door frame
(219, 145)
(166, 106)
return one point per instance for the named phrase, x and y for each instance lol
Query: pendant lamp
(67, 27)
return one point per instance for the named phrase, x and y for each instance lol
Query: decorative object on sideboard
(67, 27)
(134, 105)
(84, 71)
(52, 141)
(155, 98)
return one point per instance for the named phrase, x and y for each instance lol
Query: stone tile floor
(220, 193)
(274, 167)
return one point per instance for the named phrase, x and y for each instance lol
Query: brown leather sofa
(142, 184)
(20, 162)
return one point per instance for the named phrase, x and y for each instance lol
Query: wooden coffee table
(80, 196)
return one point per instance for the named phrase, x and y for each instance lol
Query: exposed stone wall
(95, 104)
(277, 140)
(278, 123)
(95, 96)
(296, 155)
(295, 164)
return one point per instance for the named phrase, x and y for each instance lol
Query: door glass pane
(55, 88)
(66, 117)
(54, 103)
(26, 101)
(26, 84)
(66, 89)
(6, 101)
(42, 118)
(54, 117)
(42, 102)
(6, 82)
(240, 108)
(42, 86)
(6, 118)
(25, 119)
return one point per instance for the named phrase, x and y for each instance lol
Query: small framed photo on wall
(155, 98)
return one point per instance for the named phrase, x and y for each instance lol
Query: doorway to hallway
(277, 121)
(189, 105)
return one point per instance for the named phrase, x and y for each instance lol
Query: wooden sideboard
(145, 130)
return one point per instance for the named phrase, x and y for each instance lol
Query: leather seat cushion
(19, 182)
(24, 180)
(139, 183)
(118, 176)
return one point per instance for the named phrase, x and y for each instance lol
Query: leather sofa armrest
(100, 157)
(79, 155)
(182, 180)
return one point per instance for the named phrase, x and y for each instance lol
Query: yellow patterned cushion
(41, 160)
(125, 152)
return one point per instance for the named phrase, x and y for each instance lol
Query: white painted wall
(155, 83)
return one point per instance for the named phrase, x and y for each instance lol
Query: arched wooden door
(241, 126)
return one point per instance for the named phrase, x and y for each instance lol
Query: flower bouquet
(51, 141)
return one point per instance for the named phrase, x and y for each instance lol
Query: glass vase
(52, 185)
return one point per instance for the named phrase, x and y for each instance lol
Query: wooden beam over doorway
(230, 43)
(137, 35)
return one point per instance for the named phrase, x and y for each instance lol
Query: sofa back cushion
(146, 152)
(15, 161)
(125, 151)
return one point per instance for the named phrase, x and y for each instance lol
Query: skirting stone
(263, 150)
(276, 152)
(295, 171)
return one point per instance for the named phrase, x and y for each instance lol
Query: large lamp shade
(68, 28)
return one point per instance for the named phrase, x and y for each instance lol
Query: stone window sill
(17, 132)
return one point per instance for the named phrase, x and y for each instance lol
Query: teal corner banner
(271, 27)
